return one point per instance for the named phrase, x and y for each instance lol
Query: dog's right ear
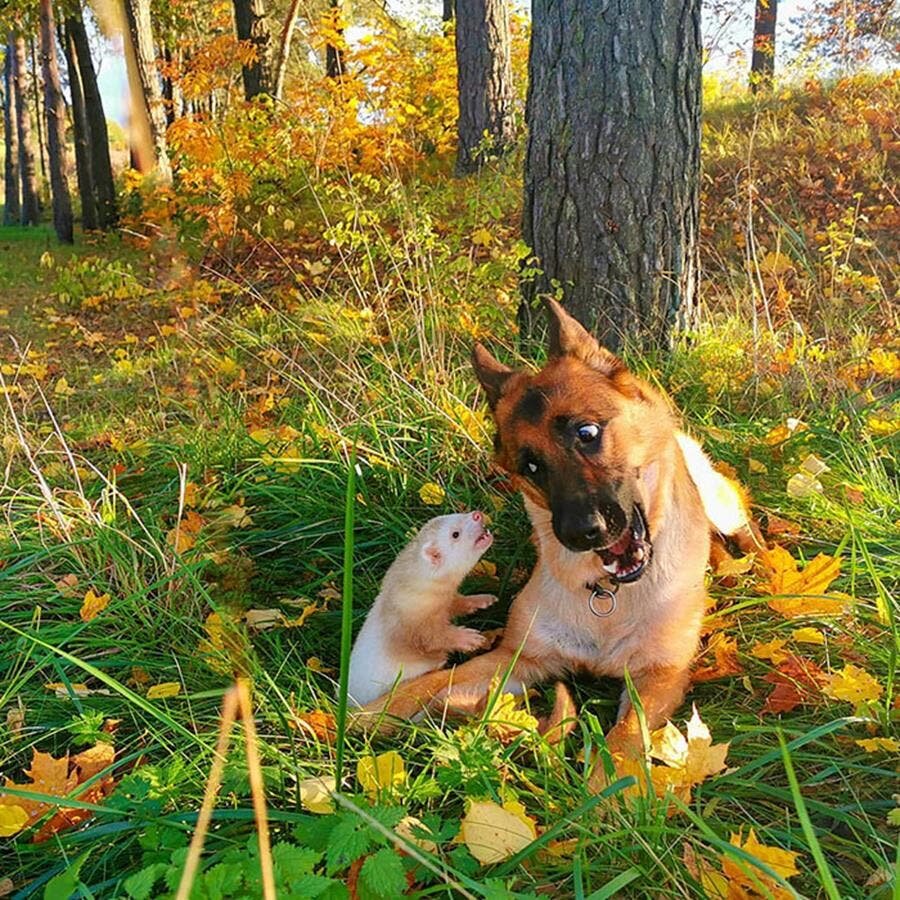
(491, 373)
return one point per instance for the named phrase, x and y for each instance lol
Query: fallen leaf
(802, 593)
(315, 795)
(694, 753)
(853, 685)
(15, 719)
(725, 660)
(782, 862)
(493, 832)
(808, 636)
(879, 745)
(414, 830)
(382, 773)
(802, 485)
(740, 565)
(263, 619)
(47, 775)
(506, 722)
(321, 724)
(93, 605)
(796, 681)
(12, 820)
(164, 690)
(771, 651)
(432, 494)
(776, 526)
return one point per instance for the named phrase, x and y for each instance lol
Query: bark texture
(284, 48)
(334, 56)
(31, 208)
(36, 95)
(762, 63)
(449, 11)
(12, 192)
(82, 137)
(101, 163)
(146, 90)
(252, 25)
(55, 110)
(613, 164)
(484, 79)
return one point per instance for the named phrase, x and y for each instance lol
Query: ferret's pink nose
(477, 516)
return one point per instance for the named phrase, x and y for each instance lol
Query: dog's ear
(568, 337)
(491, 373)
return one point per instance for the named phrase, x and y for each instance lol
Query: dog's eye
(588, 433)
(455, 535)
(532, 467)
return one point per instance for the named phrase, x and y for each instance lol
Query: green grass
(376, 359)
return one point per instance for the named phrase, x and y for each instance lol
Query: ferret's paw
(479, 601)
(468, 640)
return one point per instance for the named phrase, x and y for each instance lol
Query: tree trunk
(449, 12)
(334, 55)
(101, 164)
(12, 193)
(55, 109)
(252, 25)
(613, 164)
(484, 77)
(284, 47)
(31, 208)
(82, 136)
(762, 64)
(150, 145)
(172, 93)
(38, 118)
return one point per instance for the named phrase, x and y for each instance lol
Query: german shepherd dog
(622, 506)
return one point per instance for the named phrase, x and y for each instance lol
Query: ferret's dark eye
(455, 535)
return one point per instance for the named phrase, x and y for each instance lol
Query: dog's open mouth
(627, 558)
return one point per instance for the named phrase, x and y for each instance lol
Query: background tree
(98, 133)
(30, 210)
(762, 65)
(81, 136)
(252, 26)
(448, 12)
(613, 164)
(334, 53)
(284, 48)
(55, 109)
(485, 81)
(11, 189)
(148, 108)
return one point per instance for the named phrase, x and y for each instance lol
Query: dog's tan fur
(653, 632)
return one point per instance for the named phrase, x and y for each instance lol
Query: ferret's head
(451, 545)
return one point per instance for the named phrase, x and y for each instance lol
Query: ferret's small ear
(432, 553)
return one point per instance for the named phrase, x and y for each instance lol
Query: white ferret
(408, 630)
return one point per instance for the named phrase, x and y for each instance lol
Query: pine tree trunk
(101, 163)
(31, 208)
(762, 64)
(449, 11)
(484, 77)
(613, 164)
(55, 109)
(141, 55)
(252, 25)
(82, 134)
(12, 192)
(334, 56)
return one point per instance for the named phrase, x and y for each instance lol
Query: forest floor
(176, 422)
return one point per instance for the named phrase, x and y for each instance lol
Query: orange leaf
(725, 661)
(782, 862)
(796, 681)
(802, 593)
(93, 605)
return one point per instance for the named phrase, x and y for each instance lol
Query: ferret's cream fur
(408, 630)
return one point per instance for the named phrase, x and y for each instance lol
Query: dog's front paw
(478, 601)
(468, 640)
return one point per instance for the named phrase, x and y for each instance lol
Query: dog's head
(581, 439)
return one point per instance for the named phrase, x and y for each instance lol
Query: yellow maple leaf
(735, 565)
(808, 636)
(93, 605)
(382, 773)
(481, 237)
(315, 795)
(47, 775)
(782, 862)
(879, 744)
(432, 494)
(693, 753)
(506, 722)
(853, 685)
(803, 593)
(493, 832)
(771, 651)
(164, 690)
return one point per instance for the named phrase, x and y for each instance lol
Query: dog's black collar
(607, 594)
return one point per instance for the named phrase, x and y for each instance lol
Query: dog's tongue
(622, 544)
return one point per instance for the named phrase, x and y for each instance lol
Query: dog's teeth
(639, 553)
(612, 567)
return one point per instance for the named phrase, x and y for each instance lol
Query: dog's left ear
(568, 337)
(491, 373)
